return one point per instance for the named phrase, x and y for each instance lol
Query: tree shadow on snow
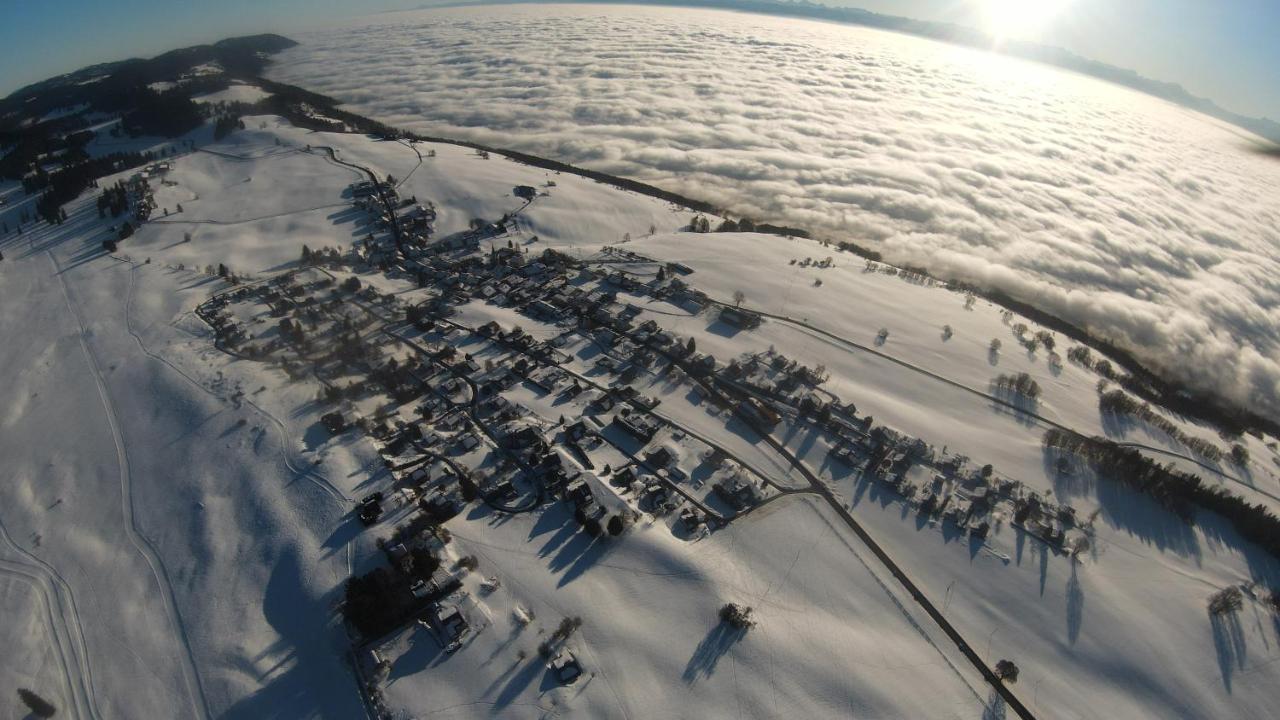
(995, 708)
(521, 680)
(1075, 604)
(1228, 641)
(708, 653)
(307, 678)
(423, 649)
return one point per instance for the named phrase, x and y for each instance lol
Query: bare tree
(738, 298)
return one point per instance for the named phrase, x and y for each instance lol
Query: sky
(1221, 49)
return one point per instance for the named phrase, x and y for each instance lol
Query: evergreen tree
(222, 270)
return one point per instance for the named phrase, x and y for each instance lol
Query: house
(690, 519)
(660, 458)
(843, 454)
(739, 318)
(737, 493)
(579, 493)
(566, 668)
(578, 431)
(637, 426)
(760, 412)
(449, 622)
(522, 438)
(701, 365)
(504, 489)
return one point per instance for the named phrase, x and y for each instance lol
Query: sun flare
(1005, 19)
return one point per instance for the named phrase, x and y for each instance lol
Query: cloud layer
(1144, 222)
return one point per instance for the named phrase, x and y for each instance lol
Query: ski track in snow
(195, 690)
(64, 620)
(310, 474)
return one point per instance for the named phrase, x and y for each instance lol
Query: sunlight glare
(1005, 19)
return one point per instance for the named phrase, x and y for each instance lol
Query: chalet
(566, 668)
(534, 270)
(449, 622)
(644, 358)
(701, 365)
(630, 374)
(578, 431)
(579, 493)
(737, 493)
(844, 454)
(759, 412)
(543, 310)
(523, 438)
(660, 458)
(691, 518)
(554, 479)
(739, 318)
(689, 297)
(504, 489)
(661, 339)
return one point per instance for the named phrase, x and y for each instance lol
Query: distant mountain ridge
(98, 85)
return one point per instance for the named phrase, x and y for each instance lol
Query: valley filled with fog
(1144, 222)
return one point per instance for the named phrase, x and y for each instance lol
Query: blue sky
(1222, 49)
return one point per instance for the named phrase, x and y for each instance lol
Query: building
(739, 318)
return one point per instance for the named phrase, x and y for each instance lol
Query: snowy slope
(176, 521)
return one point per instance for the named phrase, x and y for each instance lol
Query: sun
(1018, 19)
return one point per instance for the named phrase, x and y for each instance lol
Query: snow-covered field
(237, 92)
(176, 526)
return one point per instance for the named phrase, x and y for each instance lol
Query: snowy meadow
(1144, 222)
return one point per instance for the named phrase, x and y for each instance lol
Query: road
(817, 487)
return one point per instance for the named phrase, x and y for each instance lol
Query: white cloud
(1142, 221)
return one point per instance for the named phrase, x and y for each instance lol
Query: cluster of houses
(467, 440)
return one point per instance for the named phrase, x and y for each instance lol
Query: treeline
(114, 199)
(1139, 380)
(37, 145)
(225, 124)
(746, 225)
(166, 114)
(66, 184)
(1180, 492)
(1022, 384)
(109, 87)
(1118, 402)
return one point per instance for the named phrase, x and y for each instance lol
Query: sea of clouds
(1144, 222)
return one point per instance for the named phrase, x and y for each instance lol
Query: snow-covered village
(309, 416)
